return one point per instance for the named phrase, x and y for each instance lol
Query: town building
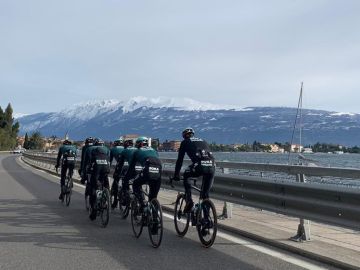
(170, 146)
(296, 148)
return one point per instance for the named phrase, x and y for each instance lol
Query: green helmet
(141, 142)
(119, 142)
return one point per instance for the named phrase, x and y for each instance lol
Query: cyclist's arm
(59, 157)
(180, 158)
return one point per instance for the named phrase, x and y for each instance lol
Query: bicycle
(151, 216)
(123, 196)
(102, 203)
(67, 188)
(124, 200)
(202, 215)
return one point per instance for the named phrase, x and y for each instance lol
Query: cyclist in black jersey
(203, 164)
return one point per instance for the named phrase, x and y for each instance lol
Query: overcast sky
(246, 53)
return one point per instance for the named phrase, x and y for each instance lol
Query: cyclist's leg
(154, 186)
(207, 182)
(187, 174)
(115, 186)
(62, 180)
(71, 167)
(93, 187)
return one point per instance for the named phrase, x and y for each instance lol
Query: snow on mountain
(185, 104)
(19, 115)
(165, 117)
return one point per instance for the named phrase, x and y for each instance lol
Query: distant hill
(165, 118)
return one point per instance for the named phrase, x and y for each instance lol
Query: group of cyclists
(138, 162)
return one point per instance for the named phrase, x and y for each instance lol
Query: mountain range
(165, 118)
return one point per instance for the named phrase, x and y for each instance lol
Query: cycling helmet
(119, 142)
(141, 142)
(99, 142)
(188, 132)
(66, 142)
(128, 143)
(89, 141)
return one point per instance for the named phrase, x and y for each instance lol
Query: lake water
(319, 159)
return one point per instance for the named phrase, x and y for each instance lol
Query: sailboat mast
(298, 113)
(301, 120)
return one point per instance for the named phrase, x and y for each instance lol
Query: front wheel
(136, 218)
(207, 223)
(155, 223)
(181, 219)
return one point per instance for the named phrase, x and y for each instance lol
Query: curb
(249, 235)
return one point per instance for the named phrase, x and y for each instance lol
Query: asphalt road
(38, 232)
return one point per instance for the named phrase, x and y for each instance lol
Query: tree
(8, 130)
(36, 141)
(26, 141)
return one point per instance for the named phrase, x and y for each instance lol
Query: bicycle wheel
(87, 197)
(105, 207)
(124, 204)
(112, 194)
(155, 223)
(207, 223)
(181, 219)
(68, 191)
(136, 218)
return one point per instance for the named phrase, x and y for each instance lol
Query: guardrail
(318, 202)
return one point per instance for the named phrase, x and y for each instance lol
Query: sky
(245, 53)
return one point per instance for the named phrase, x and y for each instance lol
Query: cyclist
(88, 142)
(68, 154)
(121, 167)
(148, 158)
(115, 152)
(203, 164)
(99, 167)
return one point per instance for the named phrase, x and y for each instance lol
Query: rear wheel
(124, 203)
(155, 223)
(105, 207)
(68, 190)
(87, 197)
(207, 223)
(181, 219)
(136, 218)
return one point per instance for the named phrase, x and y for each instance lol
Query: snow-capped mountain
(165, 118)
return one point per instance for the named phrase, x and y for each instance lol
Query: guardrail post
(303, 231)
(227, 208)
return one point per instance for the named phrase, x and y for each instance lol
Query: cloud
(245, 52)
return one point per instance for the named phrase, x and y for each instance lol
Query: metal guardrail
(318, 202)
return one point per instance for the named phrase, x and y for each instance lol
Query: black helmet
(119, 142)
(188, 132)
(98, 142)
(66, 142)
(128, 143)
(141, 142)
(89, 141)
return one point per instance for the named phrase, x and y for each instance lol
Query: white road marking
(239, 241)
